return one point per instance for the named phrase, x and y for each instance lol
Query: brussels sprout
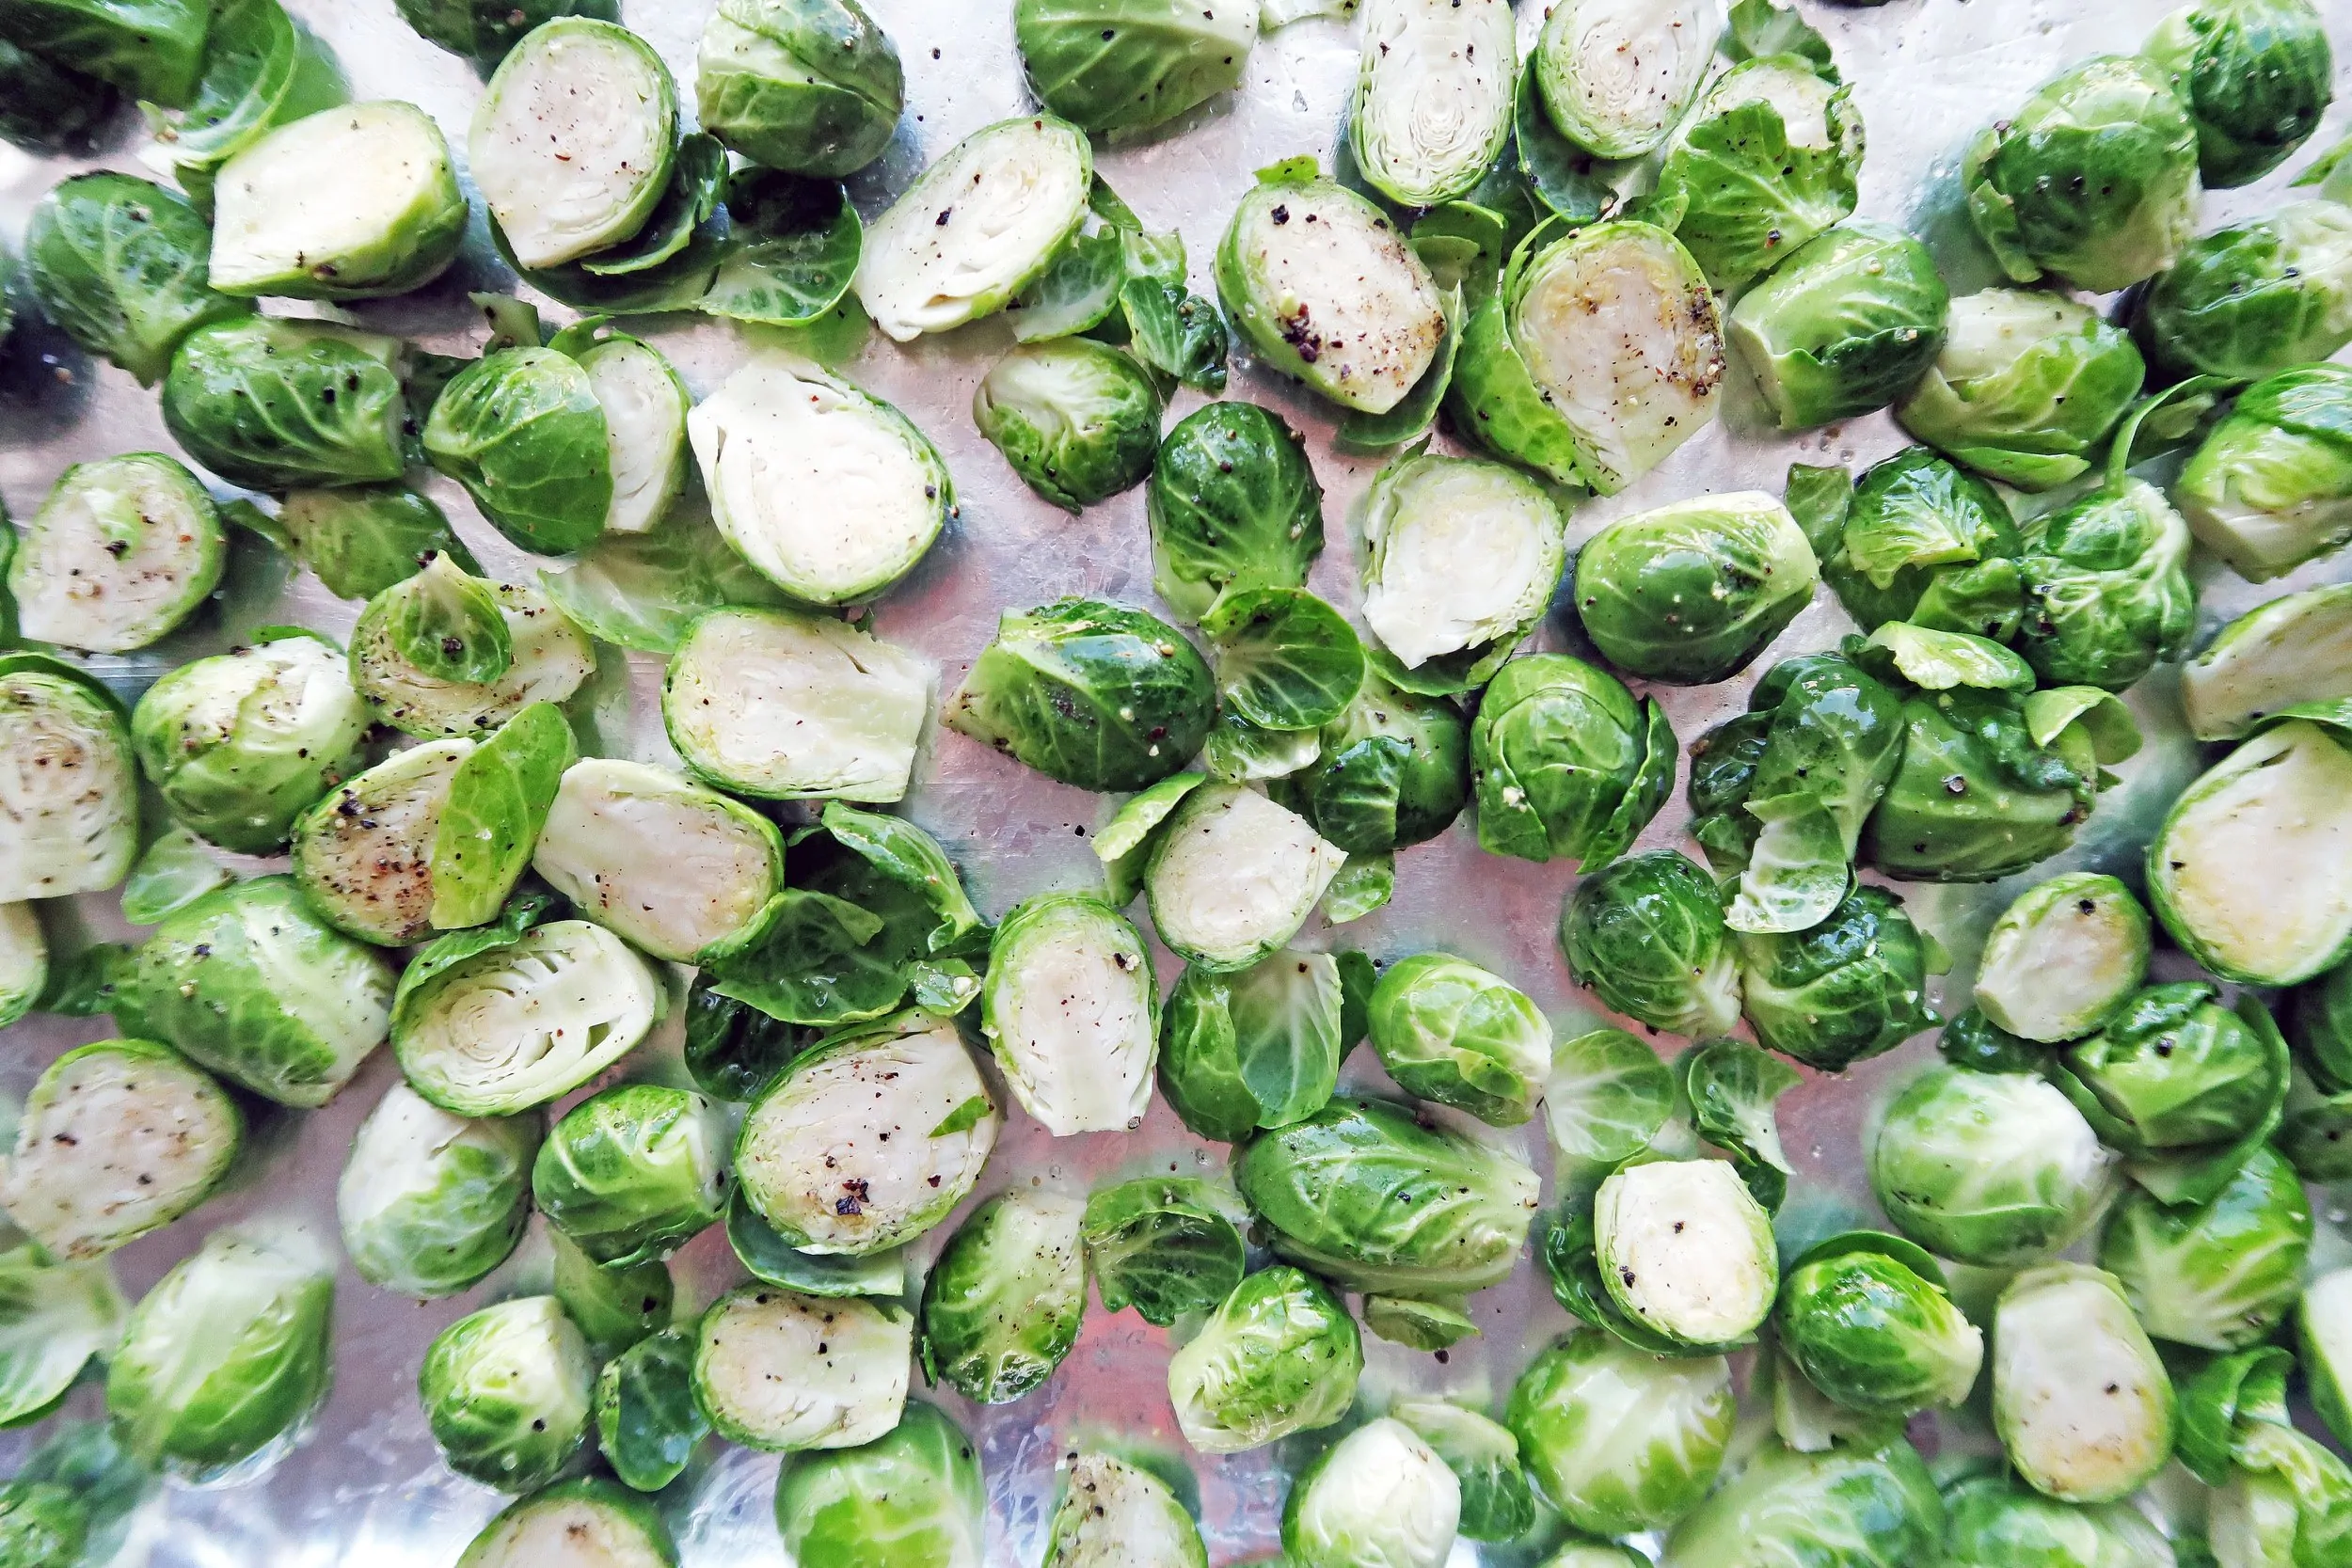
(2093, 181)
(42, 1525)
(1852, 1507)
(430, 1202)
(55, 1316)
(614, 1308)
(1285, 660)
(1497, 1502)
(2065, 958)
(2084, 1408)
(1464, 558)
(151, 49)
(2028, 386)
(2271, 487)
(2248, 873)
(1115, 1514)
(2291, 650)
(489, 1023)
(1852, 987)
(808, 1158)
(1260, 1048)
(1690, 593)
(813, 87)
(830, 493)
(2017, 802)
(1646, 936)
(1597, 355)
(72, 825)
(2319, 1021)
(25, 958)
(363, 854)
(648, 1423)
(1079, 421)
(1992, 1519)
(571, 142)
(1617, 1440)
(1070, 1009)
(1234, 505)
(912, 1498)
(2322, 1324)
(784, 1372)
(1162, 61)
(49, 108)
(250, 984)
(1846, 325)
(349, 203)
(633, 1172)
(2254, 298)
(248, 400)
(2107, 588)
(1162, 1245)
(1378, 1495)
(1017, 189)
(522, 429)
(1867, 1321)
(1434, 97)
(1924, 544)
(1686, 1251)
(1002, 1305)
(589, 1518)
(548, 659)
(1615, 78)
(123, 551)
(117, 265)
(225, 1356)
(507, 1393)
(1336, 1188)
(1392, 771)
(645, 408)
(2219, 1276)
(1567, 762)
(1448, 1030)
(2173, 1069)
(1768, 160)
(1323, 286)
(1990, 1169)
(1279, 1355)
(2255, 76)
(1234, 877)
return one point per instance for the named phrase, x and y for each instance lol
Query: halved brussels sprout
(912, 1498)
(2028, 386)
(2174, 1070)
(2254, 298)
(1235, 876)
(23, 962)
(1257, 1049)
(1994, 1518)
(1071, 1008)
(811, 1155)
(589, 1518)
(1164, 1246)
(2018, 803)
(810, 86)
(1464, 556)
(1159, 60)
(2218, 1275)
(2094, 179)
(250, 984)
(1686, 1251)
(548, 659)
(633, 1172)
(2291, 650)
(1870, 1326)
(2323, 1325)
(1616, 77)
(522, 429)
(1996, 1169)
(364, 854)
(1926, 545)
(1850, 988)
(977, 227)
(571, 142)
(2083, 1406)
(2064, 958)
(488, 1028)
(1279, 1355)
(1002, 1305)
(1617, 1440)
(1448, 1030)
(648, 1423)
(645, 407)
(1323, 286)
(1434, 96)
(2271, 487)
(1846, 325)
(1646, 934)
(117, 1139)
(1689, 593)
(1114, 1515)
(1497, 1503)
(673, 867)
(429, 1202)
(830, 493)
(43, 1524)
(249, 400)
(2255, 76)
(124, 549)
(1378, 1495)
(117, 265)
(1859, 1506)
(1234, 505)
(783, 1372)
(1391, 771)
(226, 1355)
(349, 203)
(2107, 592)
(1078, 421)
(507, 1392)
(67, 773)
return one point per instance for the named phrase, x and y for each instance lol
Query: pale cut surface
(69, 792)
(1346, 292)
(1434, 99)
(1616, 75)
(2036, 974)
(366, 854)
(112, 1145)
(551, 659)
(644, 424)
(1116, 1516)
(2298, 649)
(2078, 1394)
(1384, 1470)
(2326, 1317)
(24, 960)
(571, 143)
(569, 1530)
(1073, 1022)
(117, 557)
(787, 1373)
(312, 197)
(1988, 329)
(660, 860)
(1463, 552)
(1237, 875)
(1685, 1249)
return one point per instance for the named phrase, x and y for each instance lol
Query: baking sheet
(365, 1489)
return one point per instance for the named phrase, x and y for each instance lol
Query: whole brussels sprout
(1497, 1502)
(2093, 181)
(2254, 298)
(1434, 97)
(1078, 421)
(67, 759)
(2106, 587)
(1617, 1440)
(1162, 1245)
(1996, 1169)
(1994, 1518)
(1565, 762)
(1259, 1048)
(120, 266)
(1927, 544)
(1867, 1320)
(2028, 386)
(1001, 1307)
(1337, 1188)
(2255, 76)
(249, 400)
(913, 1498)
(484, 30)
(1464, 556)
(2281, 653)
(1856, 1506)
(633, 1172)
(1279, 1355)
(1846, 325)
(2065, 958)
(1234, 505)
(810, 86)
(2219, 1276)
(42, 1525)
(1646, 936)
(2017, 802)
(1113, 1512)
(1689, 593)
(1448, 1030)
(1378, 1495)
(1853, 987)
(1160, 61)
(1686, 1252)
(1391, 771)
(429, 1202)
(2173, 1069)
(2084, 1407)
(2271, 486)
(625, 1529)
(507, 1392)
(1580, 68)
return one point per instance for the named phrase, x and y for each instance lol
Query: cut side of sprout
(350, 203)
(123, 551)
(549, 660)
(572, 140)
(581, 1524)
(2298, 649)
(23, 962)
(1686, 1249)
(364, 854)
(979, 226)
(1434, 95)
(117, 1139)
(788, 707)
(1070, 1009)
(671, 866)
(644, 407)
(2083, 1405)
(1463, 554)
(68, 790)
(1235, 876)
(831, 493)
(2060, 960)
(1618, 75)
(786, 1372)
(517, 1026)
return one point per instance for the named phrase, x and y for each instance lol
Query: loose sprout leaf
(909, 856)
(1124, 845)
(2113, 733)
(813, 961)
(1176, 333)
(1164, 1246)
(359, 540)
(120, 266)
(648, 1423)
(172, 873)
(1760, 27)
(698, 178)
(963, 1117)
(1233, 504)
(1079, 289)
(1940, 660)
(643, 591)
(1239, 752)
(1571, 181)
(1365, 883)
(1818, 499)
(1731, 1087)
(497, 803)
(1284, 659)
(1427, 1325)
(262, 69)
(792, 250)
(448, 624)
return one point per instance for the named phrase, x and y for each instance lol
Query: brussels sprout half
(1689, 593)
(648, 1423)
(2064, 958)
(1279, 1355)
(1617, 75)
(1686, 1251)
(429, 1202)
(71, 784)
(645, 407)
(1234, 877)
(1850, 988)
(913, 1499)
(2291, 650)
(1498, 1505)
(548, 659)
(248, 400)
(1434, 96)
(117, 264)
(1379, 1494)
(631, 1173)
(810, 86)
(1464, 556)
(1070, 1009)
(1260, 1048)
(123, 551)
(1924, 544)
(1001, 1307)
(1863, 1505)
(43, 1524)
(1160, 59)
(1994, 1169)
(2271, 486)
(784, 1372)
(1617, 1440)
(507, 1393)
(1995, 1518)
(363, 854)
(589, 1518)
(261, 70)
(1113, 1513)
(1846, 325)
(1869, 1325)
(1450, 1032)
(1234, 505)
(2255, 76)
(2084, 1407)
(1646, 935)
(349, 203)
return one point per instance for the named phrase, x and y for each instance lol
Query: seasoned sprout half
(123, 551)
(1617, 1440)
(2271, 486)
(349, 203)
(2083, 1406)
(815, 88)
(364, 854)
(1433, 96)
(2064, 958)
(1990, 1169)
(2291, 650)
(1164, 1246)
(250, 400)
(1236, 877)
(1126, 67)
(589, 1520)
(1617, 75)
(1851, 1504)
(2217, 1275)
(548, 659)
(430, 1202)
(1685, 1250)
(506, 1391)
(1279, 1355)
(1234, 505)
(1113, 1514)
(1869, 1326)
(70, 823)
(1464, 558)
(784, 1372)
(1646, 936)
(2253, 298)
(1071, 1008)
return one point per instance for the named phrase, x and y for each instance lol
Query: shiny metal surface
(365, 1489)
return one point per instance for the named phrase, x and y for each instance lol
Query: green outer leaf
(813, 960)
(1176, 333)
(1731, 1085)
(497, 803)
(791, 252)
(1233, 504)
(647, 1423)
(1741, 195)
(911, 857)
(1573, 1266)
(1818, 497)
(2197, 1176)
(1162, 1245)
(359, 540)
(698, 178)
(1760, 27)
(1124, 845)
(247, 399)
(120, 266)
(643, 591)
(1365, 883)
(522, 431)
(172, 873)
(447, 624)
(262, 69)
(53, 1317)
(1570, 181)
(764, 1251)
(1284, 659)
